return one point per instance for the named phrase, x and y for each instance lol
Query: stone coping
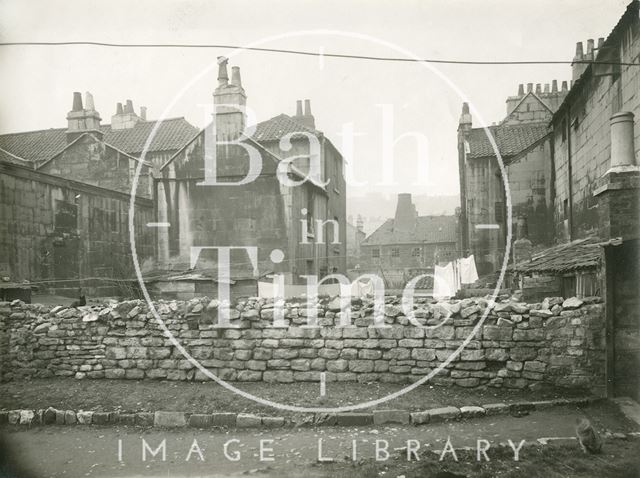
(177, 419)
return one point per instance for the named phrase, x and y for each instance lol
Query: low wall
(519, 345)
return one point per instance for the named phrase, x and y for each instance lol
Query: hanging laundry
(468, 272)
(444, 282)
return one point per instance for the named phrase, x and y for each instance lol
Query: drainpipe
(569, 174)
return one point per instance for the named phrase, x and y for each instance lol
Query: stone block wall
(519, 345)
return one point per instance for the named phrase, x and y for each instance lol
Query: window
(395, 252)
(66, 216)
(565, 208)
(416, 252)
(375, 253)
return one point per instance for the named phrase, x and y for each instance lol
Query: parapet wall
(519, 345)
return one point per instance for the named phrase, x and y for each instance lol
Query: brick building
(409, 245)
(65, 194)
(307, 221)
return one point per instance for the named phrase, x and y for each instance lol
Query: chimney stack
(564, 86)
(305, 118)
(298, 107)
(125, 117)
(406, 214)
(546, 88)
(229, 100)
(577, 66)
(80, 119)
(554, 86)
(465, 122)
(529, 87)
(143, 113)
(520, 90)
(538, 88)
(589, 55)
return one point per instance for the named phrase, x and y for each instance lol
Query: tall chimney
(128, 107)
(564, 86)
(406, 214)
(622, 141)
(520, 90)
(80, 119)
(554, 86)
(119, 109)
(223, 76)
(577, 67)
(589, 55)
(229, 101)
(299, 108)
(465, 121)
(307, 118)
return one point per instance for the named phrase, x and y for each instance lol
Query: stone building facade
(524, 141)
(295, 202)
(65, 195)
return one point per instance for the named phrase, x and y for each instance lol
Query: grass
(208, 397)
(620, 459)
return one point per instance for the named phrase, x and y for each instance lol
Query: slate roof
(510, 139)
(42, 145)
(581, 254)
(428, 229)
(275, 128)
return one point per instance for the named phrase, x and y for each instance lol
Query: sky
(404, 111)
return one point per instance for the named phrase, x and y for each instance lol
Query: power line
(319, 54)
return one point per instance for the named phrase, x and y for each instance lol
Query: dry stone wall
(558, 342)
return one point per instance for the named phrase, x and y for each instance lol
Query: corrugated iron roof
(510, 139)
(42, 145)
(428, 229)
(580, 254)
(275, 128)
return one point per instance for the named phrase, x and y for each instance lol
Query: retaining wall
(519, 345)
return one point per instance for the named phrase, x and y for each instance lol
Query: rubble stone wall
(558, 342)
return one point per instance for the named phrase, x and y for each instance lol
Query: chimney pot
(564, 86)
(579, 51)
(307, 107)
(600, 42)
(223, 76)
(236, 80)
(299, 108)
(520, 89)
(554, 86)
(622, 141)
(546, 87)
(77, 101)
(465, 108)
(88, 101)
(538, 88)
(143, 113)
(589, 55)
(529, 87)
(128, 108)
(119, 110)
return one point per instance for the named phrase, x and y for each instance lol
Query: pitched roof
(577, 255)
(428, 229)
(275, 128)
(41, 145)
(510, 139)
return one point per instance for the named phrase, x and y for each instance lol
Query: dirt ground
(208, 397)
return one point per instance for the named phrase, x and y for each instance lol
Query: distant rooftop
(510, 139)
(38, 146)
(428, 230)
